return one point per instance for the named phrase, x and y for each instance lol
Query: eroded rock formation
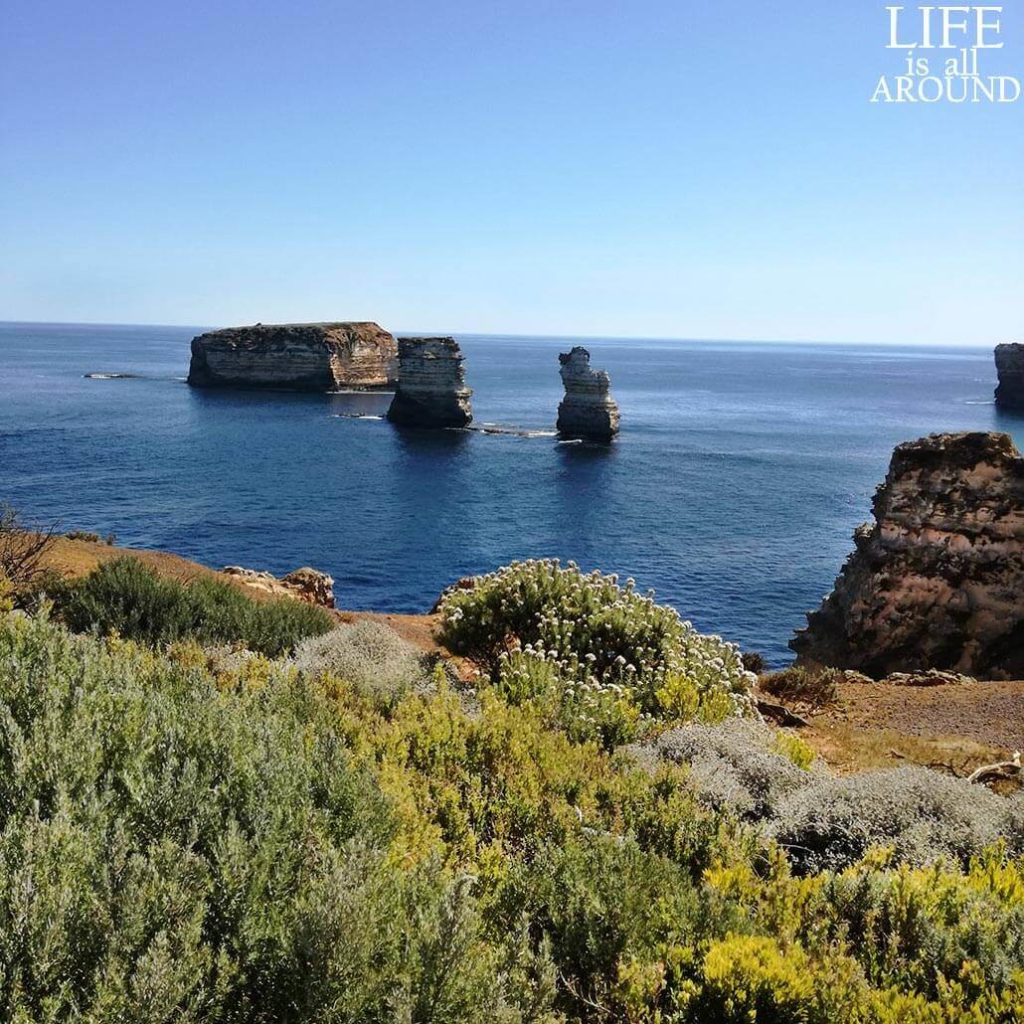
(294, 357)
(1010, 370)
(587, 411)
(937, 581)
(309, 585)
(431, 388)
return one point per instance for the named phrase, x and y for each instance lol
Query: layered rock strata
(309, 585)
(294, 357)
(587, 411)
(1010, 370)
(937, 581)
(431, 388)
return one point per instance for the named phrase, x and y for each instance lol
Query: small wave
(354, 416)
(111, 376)
(498, 428)
(979, 401)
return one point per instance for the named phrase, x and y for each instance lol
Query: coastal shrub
(170, 850)
(754, 662)
(129, 598)
(87, 535)
(739, 765)
(815, 687)
(921, 928)
(368, 655)
(253, 843)
(603, 656)
(922, 815)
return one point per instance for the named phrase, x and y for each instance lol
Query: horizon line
(551, 336)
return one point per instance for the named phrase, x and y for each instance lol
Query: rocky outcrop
(306, 584)
(587, 411)
(294, 357)
(937, 581)
(431, 388)
(1010, 370)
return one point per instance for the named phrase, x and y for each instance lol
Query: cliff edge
(937, 581)
(1010, 370)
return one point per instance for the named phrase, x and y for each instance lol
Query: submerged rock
(1010, 370)
(309, 585)
(294, 357)
(431, 388)
(587, 411)
(937, 581)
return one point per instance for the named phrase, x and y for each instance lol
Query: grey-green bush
(922, 815)
(172, 852)
(369, 655)
(734, 766)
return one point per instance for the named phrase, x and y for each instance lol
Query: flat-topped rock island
(295, 357)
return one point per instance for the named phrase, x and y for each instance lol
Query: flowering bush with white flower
(603, 656)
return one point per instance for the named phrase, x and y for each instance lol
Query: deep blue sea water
(740, 473)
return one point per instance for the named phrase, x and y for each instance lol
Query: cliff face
(294, 357)
(1010, 369)
(587, 410)
(431, 388)
(938, 580)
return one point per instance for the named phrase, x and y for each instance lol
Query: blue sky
(694, 168)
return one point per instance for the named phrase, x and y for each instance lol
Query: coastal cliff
(1010, 369)
(937, 580)
(294, 357)
(431, 388)
(587, 411)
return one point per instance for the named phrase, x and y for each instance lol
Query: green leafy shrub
(127, 597)
(603, 656)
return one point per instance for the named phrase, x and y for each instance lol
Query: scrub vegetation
(325, 828)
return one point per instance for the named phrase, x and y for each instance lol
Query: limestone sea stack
(587, 411)
(937, 581)
(1010, 370)
(294, 357)
(431, 388)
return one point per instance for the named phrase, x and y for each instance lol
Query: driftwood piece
(995, 772)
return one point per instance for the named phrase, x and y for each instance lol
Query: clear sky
(659, 168)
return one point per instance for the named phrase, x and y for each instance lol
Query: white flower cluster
(537, 624)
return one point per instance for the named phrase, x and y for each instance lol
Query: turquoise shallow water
(733, 490)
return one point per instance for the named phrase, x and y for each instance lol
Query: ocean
(733, 490)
